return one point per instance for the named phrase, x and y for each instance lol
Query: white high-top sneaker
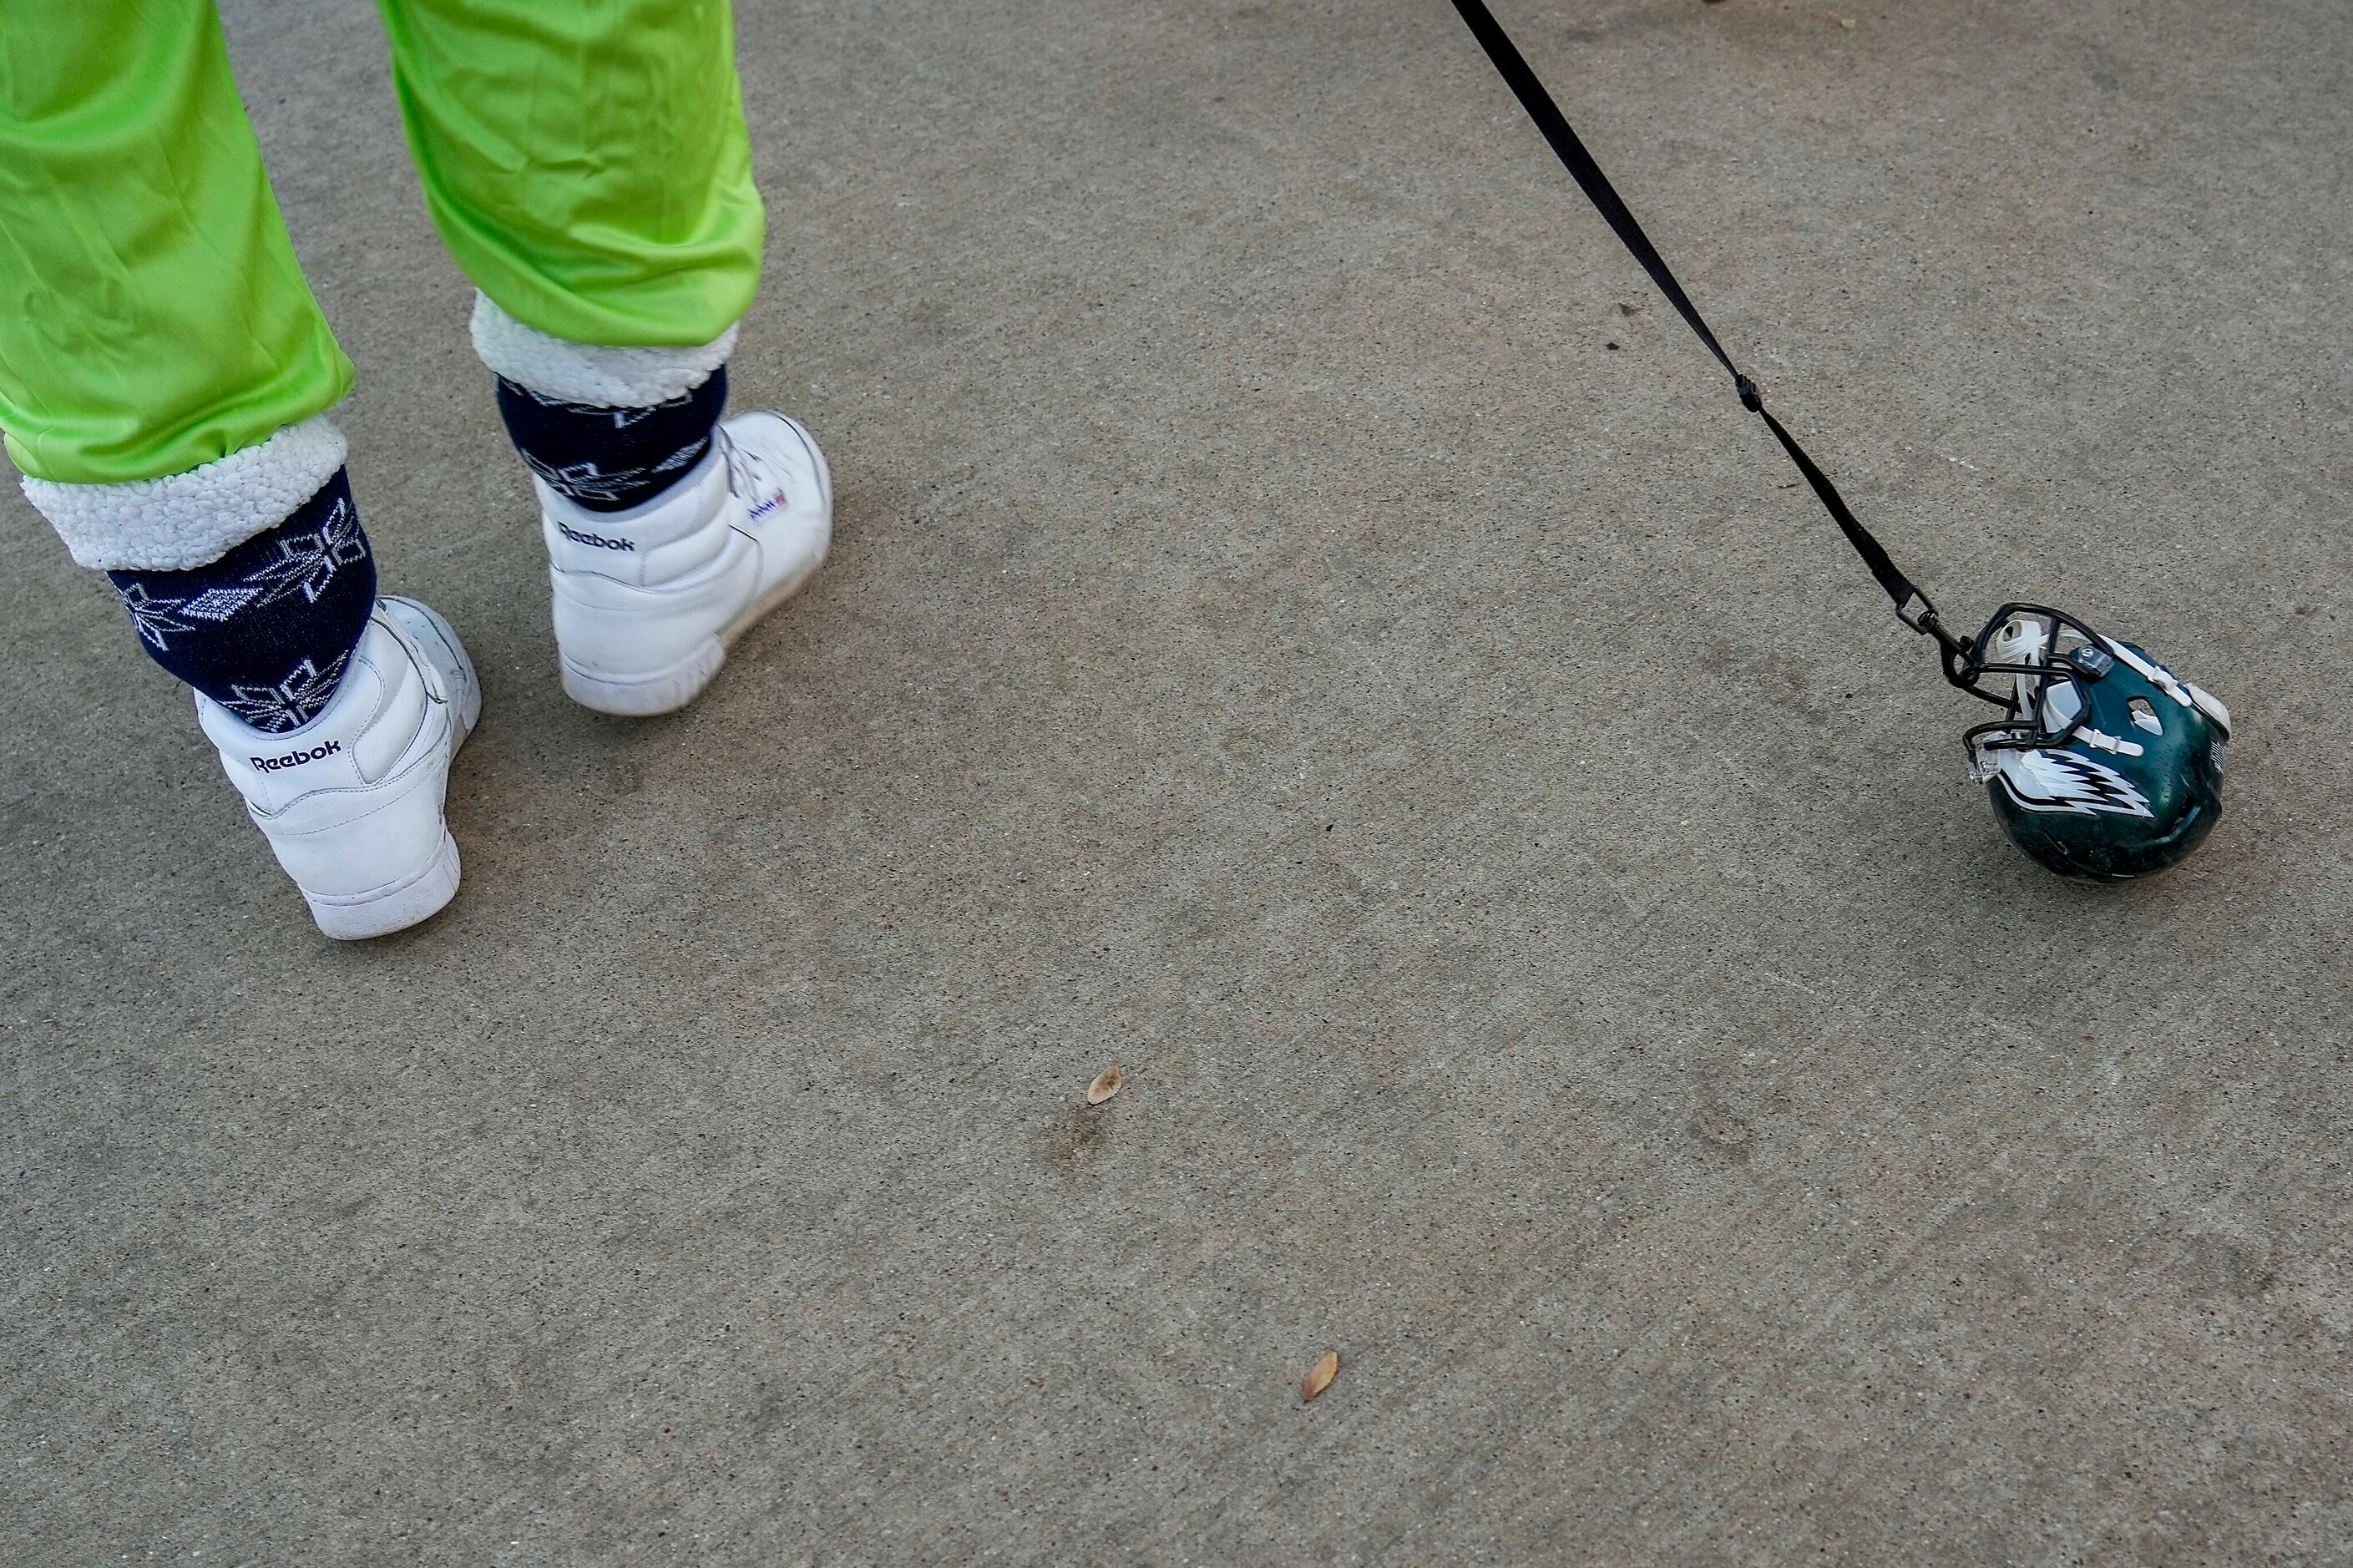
(352, 801)
(648, 600)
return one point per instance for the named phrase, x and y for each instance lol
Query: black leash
(1524, 83)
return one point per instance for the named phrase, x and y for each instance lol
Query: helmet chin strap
(1964, 659)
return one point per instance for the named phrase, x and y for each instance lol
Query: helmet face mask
(2104, 765)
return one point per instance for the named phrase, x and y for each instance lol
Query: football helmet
(2104, 765)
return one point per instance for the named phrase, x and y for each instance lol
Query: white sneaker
(648, 600)
(352, 801)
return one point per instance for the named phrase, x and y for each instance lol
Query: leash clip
(1923, 620)
(1958, 654)
(1747, 390)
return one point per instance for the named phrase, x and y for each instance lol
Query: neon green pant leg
(586, 161)
(153, 316)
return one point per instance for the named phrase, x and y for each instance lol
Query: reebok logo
(765, 506)
(594, 540)
(296, 759)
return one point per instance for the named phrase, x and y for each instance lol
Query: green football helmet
(2106, 767)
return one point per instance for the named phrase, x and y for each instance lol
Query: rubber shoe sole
(383, 911)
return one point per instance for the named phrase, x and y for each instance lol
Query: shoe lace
(742, 467)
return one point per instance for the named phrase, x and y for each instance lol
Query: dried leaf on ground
(1105, 1085)
(1319, 1376)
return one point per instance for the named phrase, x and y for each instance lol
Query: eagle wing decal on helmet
(2068, 782)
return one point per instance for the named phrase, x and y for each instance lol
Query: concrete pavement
(1307, 624)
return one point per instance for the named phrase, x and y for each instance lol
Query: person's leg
(164, 377)
(588, 167)
(153, 316)
(586, 164)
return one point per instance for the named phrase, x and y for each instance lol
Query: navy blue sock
(264, 630)
(610, 459)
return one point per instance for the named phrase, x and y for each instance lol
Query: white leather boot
(352, 801)
(648, 600)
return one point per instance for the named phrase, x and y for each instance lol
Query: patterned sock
(608, 459)
(264, 630)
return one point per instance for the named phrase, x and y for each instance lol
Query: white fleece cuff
(601, 375)
(193, 519)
